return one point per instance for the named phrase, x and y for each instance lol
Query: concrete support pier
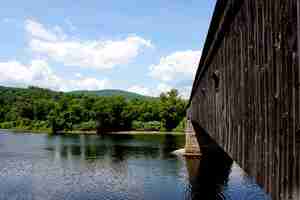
(191, 144)
(191, 148)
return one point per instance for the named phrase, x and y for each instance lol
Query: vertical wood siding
(246, 93)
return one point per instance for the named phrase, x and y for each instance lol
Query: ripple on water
(241, 186)
(110, 168)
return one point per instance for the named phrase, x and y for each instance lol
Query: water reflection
(114, 167)
(118, 147)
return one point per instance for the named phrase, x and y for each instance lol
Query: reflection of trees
(143, 146)
(82, 147)
(118, 153)
(210, 173)
(91, 149)
(67, 147)
(170, 143)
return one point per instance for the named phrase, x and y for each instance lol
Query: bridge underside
(246, 94)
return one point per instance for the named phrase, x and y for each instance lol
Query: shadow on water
(216, 176)
(209, 175)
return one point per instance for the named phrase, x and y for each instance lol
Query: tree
(110, 114)
(56, 119)
(41, 108)
(25, 109)
(172, 109)
(73, 116)
(103, 114)
(2, 114)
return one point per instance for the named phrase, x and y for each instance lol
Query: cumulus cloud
(140, 90)
(38, 31)
(185, 92)
(175, 69)
(78, 75)
(38, 73)
(180, 65)
(162, 87)
(88, 84)
(98, 54)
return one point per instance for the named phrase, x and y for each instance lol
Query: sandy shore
(127, 133)
(79, 132)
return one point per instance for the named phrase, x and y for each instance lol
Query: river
(42, 167)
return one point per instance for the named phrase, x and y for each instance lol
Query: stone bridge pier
(192, 148)
(191, 144)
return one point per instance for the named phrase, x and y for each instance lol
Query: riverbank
(20, 130)
(80, 132)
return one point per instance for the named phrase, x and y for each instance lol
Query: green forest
(37, 109)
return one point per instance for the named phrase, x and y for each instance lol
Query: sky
(146, 47)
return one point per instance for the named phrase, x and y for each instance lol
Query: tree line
(40, 109)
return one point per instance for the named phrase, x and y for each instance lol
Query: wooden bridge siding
(254, 113)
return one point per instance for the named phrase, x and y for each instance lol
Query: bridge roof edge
(223, 15)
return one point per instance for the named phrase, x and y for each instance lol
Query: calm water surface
(114, 167)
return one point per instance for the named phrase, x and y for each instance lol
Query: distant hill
(30, 91)
(49, 93)
(108, 93)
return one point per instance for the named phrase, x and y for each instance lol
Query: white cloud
(78, 75)
(180, 65)
(88, 84)
(38, 31)
(38, 73)
(140, 90)
(14, 73)
(162, 87)
(184, 91)
(98, 54)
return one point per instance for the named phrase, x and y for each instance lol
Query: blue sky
(141, 46)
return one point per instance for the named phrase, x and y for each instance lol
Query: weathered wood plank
(254, 112)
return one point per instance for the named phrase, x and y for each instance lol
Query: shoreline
(78, 132)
